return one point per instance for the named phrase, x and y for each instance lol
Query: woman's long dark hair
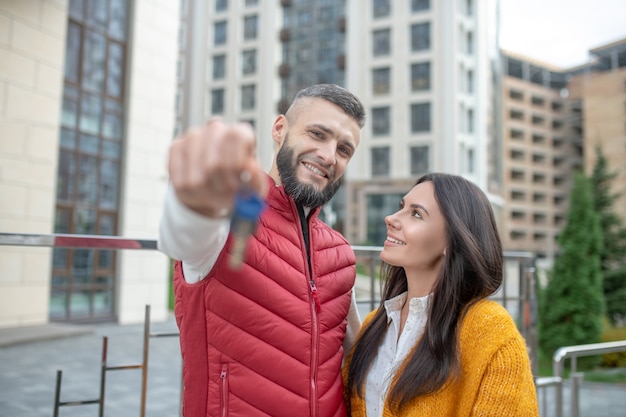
(471, 271)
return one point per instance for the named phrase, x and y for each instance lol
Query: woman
(436, 346)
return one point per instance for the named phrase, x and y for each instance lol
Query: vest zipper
(224, 377)
(314, 346)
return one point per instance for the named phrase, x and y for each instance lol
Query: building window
(381, 8)
(250, 27)
(248, 101)
(470, 120)
(420, 37)
(470, 81)
(517, 134)
(420, 117)
(514, 68)
(538, 119)
(381, 121)
(469, 43)
(469, 7)
(219, 33)
(381, 80)
(219, 67)
(221, 5)
(381, 42)
(248, 62)
(380, 162)
(515, 114)
(420, 5)
(251, 2)
(516, 95)
(420, 160)
(420, 76)
(217, 101)
(538, 101)
(91, 145)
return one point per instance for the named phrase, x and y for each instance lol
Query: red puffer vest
(266, 340)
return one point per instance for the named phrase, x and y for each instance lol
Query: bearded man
(266, 338)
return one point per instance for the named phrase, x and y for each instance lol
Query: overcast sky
(560, 32)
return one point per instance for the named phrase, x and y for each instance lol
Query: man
(264, 339)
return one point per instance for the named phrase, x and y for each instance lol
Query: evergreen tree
(614, 237)
(572, 304)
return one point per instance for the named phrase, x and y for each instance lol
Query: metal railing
(521, 299)
(572, 353)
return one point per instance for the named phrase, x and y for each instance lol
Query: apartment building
(599, 91)
(540, 151)
(86, 115)
(422, 69)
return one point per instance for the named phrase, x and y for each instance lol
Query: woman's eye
(416, 214)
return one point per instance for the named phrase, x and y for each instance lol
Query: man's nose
(328, 152)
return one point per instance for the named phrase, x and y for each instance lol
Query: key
(248, 208)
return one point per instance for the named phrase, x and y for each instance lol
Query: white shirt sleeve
(190, 237)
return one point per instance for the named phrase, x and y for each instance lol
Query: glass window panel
(66, 173)
(221, 5)
(70, 93)
(91, 110)
(251, 2)
(381, 78)
(97, 12)
(84, 223)
(58, 301)
(68, 139)
(379, 206)
(59, 280)
(219, 37)
(77, 8)
(112, 126)
(420, 5)
(117, 19)
(105, 259)
(381, 42)
(381, 8)
(106, 224)
(248, 101)
(115, 70)
(219, 67)
(103, 302)
(250, 24)
(217, 101)
(420, 76)
(381, 123)
(89, 144)
(420, 36)
(420, 117)
(248, 62)
(69, 114)
(380, 162)
(59, 259)
(83, 264)
(93, 61)
(72, 52)
(87, 180)
(109, 184)
(111, 149)
(419, 160)
(62, 221)
(79, 303)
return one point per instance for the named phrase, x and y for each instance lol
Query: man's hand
(209, 164)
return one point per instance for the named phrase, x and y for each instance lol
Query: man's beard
(307, 195)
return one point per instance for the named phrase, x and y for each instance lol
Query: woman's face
(416, 237)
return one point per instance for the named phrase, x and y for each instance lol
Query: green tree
(614, 237)
(572, 304)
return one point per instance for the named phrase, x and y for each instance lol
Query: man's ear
(279, 129)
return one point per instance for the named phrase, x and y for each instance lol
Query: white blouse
(394, 349)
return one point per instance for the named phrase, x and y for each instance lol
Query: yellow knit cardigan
(496, 378)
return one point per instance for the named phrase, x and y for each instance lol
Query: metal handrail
(574, 352)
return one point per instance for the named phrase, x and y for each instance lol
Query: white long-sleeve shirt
(197, 241)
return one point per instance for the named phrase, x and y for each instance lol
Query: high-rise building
(422, 69)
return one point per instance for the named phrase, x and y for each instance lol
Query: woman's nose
(391, 221)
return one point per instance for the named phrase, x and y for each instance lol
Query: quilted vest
(266, 339)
